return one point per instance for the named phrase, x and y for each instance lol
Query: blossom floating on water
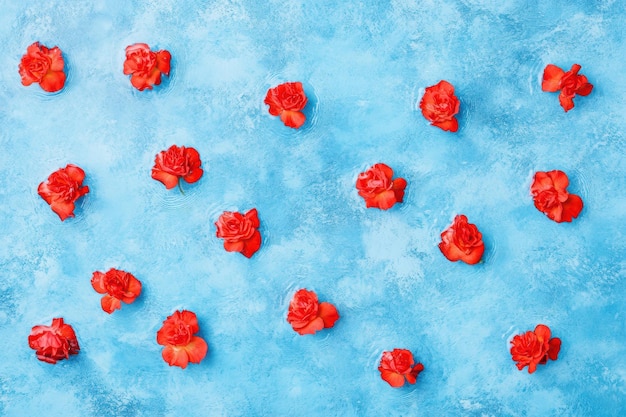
(378, 189)
(55, 342)
(118, 286)
(44, 66)
(439, 106)
(177, 335)
(240, 232)
(307, 316)
(535, 348)
(62, 189)
(145, 66)
(462, 241)
(397, 366)
(549, 191)
(176, 163)
(287, 100)
(568, 83)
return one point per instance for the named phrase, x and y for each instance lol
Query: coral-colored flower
(551, 197)
(535, 348)
(439, 105)
(118, 286)
(175, 163)
(306, 315)
(177, 335)
(378, 189)
(63, 187)
(53, 343)
(397, 366)
(240, 232)
(569, 83)
(462, 241)
(145, 66)
(286, 100)
(44, 66)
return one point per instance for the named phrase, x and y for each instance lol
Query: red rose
(118, 286)
(177, 335)
(535, 348)
(62, 189)
(439, 105)
(286, 100)
(53, 343)
(306, 315)
(397, 366)
(176, 163)
(569, 83)
(378, 189)
(240, 232)
(462, 241)
(145, 67)
(551, 197)
(44, 66)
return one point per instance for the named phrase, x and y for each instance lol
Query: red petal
(163, 61)
(313, 326)
(175, 356)
(293, 119)
(552, 78)
(543, 333)
(392, 378)
(133, 291)
(571, 208)
(196, 349)
(63, 209)
(566, 102)
(451, 125)
(169, 180)
(140, 83)
(253, 216)
(328, 313)
(555, 347)
(191, 320)
(53, 81)
(110, 304)
(194, 176)
(252, 245)
(97, 282)
(75, 173)
(584, 89)
(237, 246)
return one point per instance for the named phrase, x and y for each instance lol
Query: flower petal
(312, 327)
(53, 81)
(552, 78)
(196, 349)
(451, 125)
(250, 246)
(169, 180)
(175, 356)
(566, 102)
(97, 282)
(392, 378)
(293, 119)
(110, 304)
(328, 313)
(571, 208)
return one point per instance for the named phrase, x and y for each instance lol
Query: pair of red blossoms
(45, 66)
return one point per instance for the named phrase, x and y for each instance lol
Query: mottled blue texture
(364, 65)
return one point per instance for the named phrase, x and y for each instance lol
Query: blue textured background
(364, 66)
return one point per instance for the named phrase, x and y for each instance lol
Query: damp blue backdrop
(364, 65)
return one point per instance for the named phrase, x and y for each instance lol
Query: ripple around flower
(173, 198)
(579, 185)
(273, 123)
(491, 249)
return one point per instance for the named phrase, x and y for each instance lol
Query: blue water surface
(364, 65)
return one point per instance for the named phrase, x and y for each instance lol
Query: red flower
(177, 335)
(53, 343)
(535, 348)
(44, 66)
(176, 163)
(240, 232)
(306, 315)
(145, 67)
(286, 100)
(551, 197)
(439, 105)
(569, 83)
(63, 187)
(118, 286)
(462, 241)
(397, 366)
(378, 189)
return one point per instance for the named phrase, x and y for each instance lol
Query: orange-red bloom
(551, 197)
(63, 187)
(569, 83)
(145, 67)
(240, 232)
(53, 343)
(118, 286)
(286, 100)
(175, 163)
(306, 315)
(177, 335)
(535, 348)
(462, 241)
(439, 105)
(378, 189)
(397, 366)
(44, 66)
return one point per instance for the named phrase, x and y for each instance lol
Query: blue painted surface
(364, 66)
